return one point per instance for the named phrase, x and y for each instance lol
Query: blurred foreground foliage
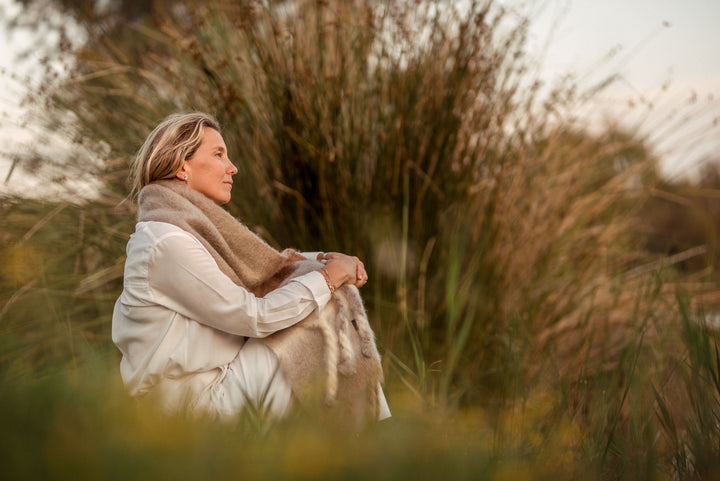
(534, 317)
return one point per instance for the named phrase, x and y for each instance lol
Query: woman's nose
(232, 170)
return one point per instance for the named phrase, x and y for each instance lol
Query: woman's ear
(182, 174)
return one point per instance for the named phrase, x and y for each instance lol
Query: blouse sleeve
(183, 276)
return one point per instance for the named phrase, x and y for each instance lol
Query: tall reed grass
(525, 330)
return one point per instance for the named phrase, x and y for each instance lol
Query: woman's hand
(344, 269)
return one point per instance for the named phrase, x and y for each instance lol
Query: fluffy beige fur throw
(330, 356)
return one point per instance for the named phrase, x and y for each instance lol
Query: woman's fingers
(360, 271)
(357, 268)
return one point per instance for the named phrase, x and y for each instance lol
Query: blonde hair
(170, 144)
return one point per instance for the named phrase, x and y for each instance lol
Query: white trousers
(254, 381)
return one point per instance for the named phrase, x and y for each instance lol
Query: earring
(185, 177)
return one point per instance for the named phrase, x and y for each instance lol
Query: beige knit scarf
(336, 345)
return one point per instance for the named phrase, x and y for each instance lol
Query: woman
(202, 293)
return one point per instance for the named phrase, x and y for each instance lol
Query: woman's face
(209, 171)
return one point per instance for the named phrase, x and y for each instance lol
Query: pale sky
(660, 40)
(666, 54)
(656, 43)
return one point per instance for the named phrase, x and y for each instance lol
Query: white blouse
(180, 321)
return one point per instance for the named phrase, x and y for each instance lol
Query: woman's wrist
(336, 274)
(342, 269)
(328, 280)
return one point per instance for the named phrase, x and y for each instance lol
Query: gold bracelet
(329, 283)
